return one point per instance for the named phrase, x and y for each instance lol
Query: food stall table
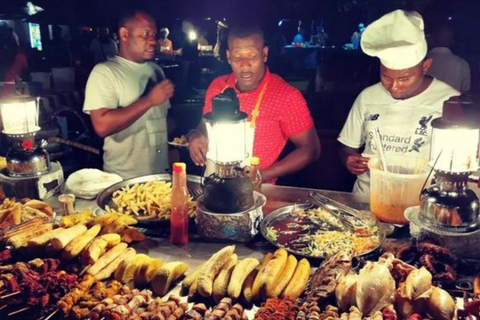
(199, 250)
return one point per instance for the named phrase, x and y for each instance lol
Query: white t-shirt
(449, 68)
(142, 148)
(404, 125)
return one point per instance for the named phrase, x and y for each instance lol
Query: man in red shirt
(276, 111)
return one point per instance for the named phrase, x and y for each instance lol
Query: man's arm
(110, 121)
(353, 160)
(198, 144)
(307, 150)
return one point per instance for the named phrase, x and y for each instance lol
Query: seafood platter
(316, 231)
(325, 262)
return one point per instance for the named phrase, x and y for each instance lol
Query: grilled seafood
(325, 279)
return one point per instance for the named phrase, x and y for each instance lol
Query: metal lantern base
(36, 187)
(239, 226)
(450, 204)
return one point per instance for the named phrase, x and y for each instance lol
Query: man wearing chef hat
(402, 105)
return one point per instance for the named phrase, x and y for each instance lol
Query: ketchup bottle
(178, 203)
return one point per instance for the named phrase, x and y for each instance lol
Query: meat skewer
(52, 314)
(18, 311)
(10, 295)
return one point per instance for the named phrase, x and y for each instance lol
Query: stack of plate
(88, 183)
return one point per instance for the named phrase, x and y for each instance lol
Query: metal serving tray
(283, 219)
(194, 185)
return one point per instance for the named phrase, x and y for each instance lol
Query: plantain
(257, 282)
(239, 274)
(247, 286)
(272, 270)
(299, 281)
(211, 269)
(275, 288)
(166, 275)
(190, 279)
(220, 285)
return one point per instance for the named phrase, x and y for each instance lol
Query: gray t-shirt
(140, 149)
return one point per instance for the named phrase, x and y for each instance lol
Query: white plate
(184, 145)
(88, 183)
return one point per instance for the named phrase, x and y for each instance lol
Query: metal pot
(27, 163)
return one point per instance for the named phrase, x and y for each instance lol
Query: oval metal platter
(284, 229)
(194, 185)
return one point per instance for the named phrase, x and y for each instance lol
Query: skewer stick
(84, 270)
(103, 318)
(51, 314)
(3, 307)
(18, 311)
(10, 295)
(378, 142)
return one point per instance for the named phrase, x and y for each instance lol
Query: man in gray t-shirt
(128, 98)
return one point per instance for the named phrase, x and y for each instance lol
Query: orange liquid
(389, 212)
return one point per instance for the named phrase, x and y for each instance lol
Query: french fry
(150, 199)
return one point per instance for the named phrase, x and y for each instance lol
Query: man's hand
(198, 146)
(357, 164)
(160, 93)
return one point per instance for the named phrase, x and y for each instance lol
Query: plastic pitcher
(392, 191)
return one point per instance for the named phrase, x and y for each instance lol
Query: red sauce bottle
(179, 208)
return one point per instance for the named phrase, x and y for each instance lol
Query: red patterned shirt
(283, 113)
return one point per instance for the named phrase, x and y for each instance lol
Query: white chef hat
(165, 30)
(397, 39)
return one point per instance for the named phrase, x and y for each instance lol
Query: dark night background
(346, 72)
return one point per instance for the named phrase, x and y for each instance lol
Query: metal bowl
(194, 185)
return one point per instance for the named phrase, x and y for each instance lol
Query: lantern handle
(429, 174)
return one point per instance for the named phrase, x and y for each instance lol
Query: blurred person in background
(103, 47)
(165, 45)
(57, 50)
(446, 66)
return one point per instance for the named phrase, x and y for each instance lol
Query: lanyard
(256, 109)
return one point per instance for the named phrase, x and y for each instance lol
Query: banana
(272, 270)
(239, 274)
(299, 281)
(220, 284)
(211, 269)
(275, 289)
(167, 274)
(193, 290)
(247, 286)
(256, 282)
(190, 279)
